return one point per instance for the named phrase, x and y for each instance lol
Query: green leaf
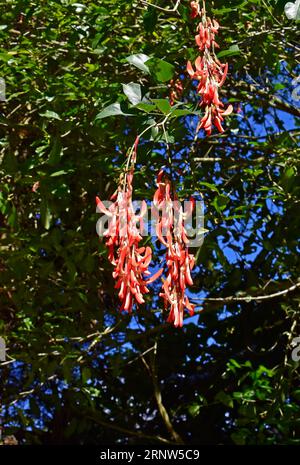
(279, 8)
(112, 110)
(139, 61)
(233, 50)
(180, 112)
(146, 107)
(50, 115)
(154, 132)
(184, 12)
(279, 86)
(288, 178)
(234, 363)
(13, 218)
(150, 19)
(289, 173)
(133, 92)
(222, 11)
(160, 69)
(45, 214)
(220, 202)
(58, 173)
(224, 399)
(239, 438)
(5, 56)
(55, 152)
(163, 105)
(194, 409)
(296, 394)
(212, 187)
(86, 375)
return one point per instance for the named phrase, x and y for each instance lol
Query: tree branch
(126, 431)
(254, 93)
(158, 397)
(248, 298)
(166, 10)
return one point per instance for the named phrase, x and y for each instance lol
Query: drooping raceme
(171, 232)
(209, 71)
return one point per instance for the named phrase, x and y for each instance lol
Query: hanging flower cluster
(209, 71)
(131, 260)
(123, 237)
(179, 261)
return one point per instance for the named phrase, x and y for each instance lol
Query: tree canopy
(82, 80)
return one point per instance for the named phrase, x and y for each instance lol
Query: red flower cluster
(176, 89)
(179, 261)
(123, 237)
(210, 72)
(206, 37)
(195, 9)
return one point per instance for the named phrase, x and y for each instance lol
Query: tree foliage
(82, 80)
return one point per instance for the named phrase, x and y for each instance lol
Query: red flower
(206, 37)
(35, 186)
(195, 9)
(171, 232)
(130, 260)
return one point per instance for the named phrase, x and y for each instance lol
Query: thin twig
(140, 355)
(127, 431)
(158, 397)
(166, 10)
(247, 298)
